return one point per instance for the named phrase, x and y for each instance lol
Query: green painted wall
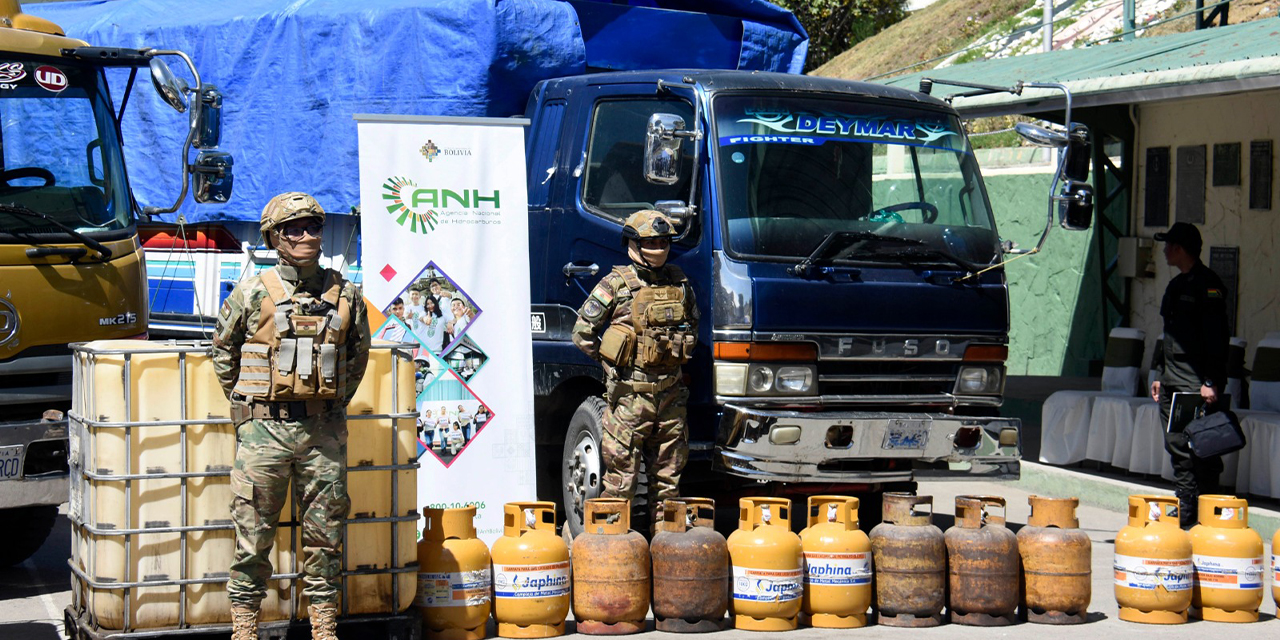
(1054, 295)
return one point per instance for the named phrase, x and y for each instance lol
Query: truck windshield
(899, 183)
(59, 152)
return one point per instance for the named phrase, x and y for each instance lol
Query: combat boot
(324, 621)
(244, 623)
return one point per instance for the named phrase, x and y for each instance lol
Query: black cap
(1183, 234)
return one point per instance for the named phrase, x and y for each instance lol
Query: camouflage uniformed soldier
(641, 323)
(290, 349)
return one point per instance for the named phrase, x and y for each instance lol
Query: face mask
(652, 258)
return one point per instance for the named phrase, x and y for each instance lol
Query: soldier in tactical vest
(290, 348)
(641, 323)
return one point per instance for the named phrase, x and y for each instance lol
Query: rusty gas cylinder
(909, 557)
(983, 556)
(1153, 563)
(1056, 563)
(610, 571)
(690, 568)
(1227, 556)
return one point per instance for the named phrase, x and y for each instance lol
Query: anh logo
(11, 72)
(430, 151)
(397, 191)
(51, 78)
(415, 207)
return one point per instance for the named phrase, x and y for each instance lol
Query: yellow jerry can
(837, 565)
(1227, 556)
(530, 573)
(1153, 563)
(767, 566)
(454, 583)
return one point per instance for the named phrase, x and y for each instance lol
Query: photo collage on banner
(441, 198)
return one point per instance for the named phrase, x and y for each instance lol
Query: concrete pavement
(33, 595)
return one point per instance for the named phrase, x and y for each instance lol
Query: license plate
(906, 435)
(11, 462)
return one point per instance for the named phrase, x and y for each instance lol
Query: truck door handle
(571, 270)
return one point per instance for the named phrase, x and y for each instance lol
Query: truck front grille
(886, 377)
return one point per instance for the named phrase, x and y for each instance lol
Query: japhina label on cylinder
(454, 589)
(546, 580)
(1217, 572)
(767, 585)
(1275, 569)
(1149, 573)
(837, 569)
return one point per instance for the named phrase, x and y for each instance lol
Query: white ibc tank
(152, 448)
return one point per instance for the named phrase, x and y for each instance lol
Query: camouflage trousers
(652, 425)
(311, 455)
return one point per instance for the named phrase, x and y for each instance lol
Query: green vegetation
(836, 25)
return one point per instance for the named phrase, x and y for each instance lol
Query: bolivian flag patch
(1215, 293)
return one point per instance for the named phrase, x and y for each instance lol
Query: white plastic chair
(1066, 415)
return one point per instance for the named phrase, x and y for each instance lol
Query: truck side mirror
(171, 88)
(1075, 208)
(211, 177)
(209, 118)
(662, 143)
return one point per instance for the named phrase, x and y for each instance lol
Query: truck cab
(71, 264)
(844, 254)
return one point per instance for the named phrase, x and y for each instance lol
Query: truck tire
(27, 529)
(581, 464)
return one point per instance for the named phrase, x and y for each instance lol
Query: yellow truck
(71, 265)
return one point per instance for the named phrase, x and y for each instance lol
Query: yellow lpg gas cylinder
(767, 566)
(454, 583)
(837, 564)
(530, 573)
(1227, 555)
(1275, 568)
(1153, 563)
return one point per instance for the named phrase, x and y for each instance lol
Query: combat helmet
(288, 206)
(647, 223)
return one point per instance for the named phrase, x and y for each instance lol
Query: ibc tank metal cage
(80, 622)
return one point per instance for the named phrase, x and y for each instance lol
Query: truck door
(610, 185)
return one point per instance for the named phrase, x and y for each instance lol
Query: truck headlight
(983, 380)
(794, 379)
(731, 379)
(761, 379)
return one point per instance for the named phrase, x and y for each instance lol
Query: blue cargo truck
(855, 321)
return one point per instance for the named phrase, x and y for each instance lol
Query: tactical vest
(660, 334)
(292, 356)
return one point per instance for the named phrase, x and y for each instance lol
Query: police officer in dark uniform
(1196, 341)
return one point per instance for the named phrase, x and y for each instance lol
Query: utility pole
(1130, 20)
(1047, 30)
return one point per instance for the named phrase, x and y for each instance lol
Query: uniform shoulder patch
(592, 309)
(603, 292)
(1213, 292)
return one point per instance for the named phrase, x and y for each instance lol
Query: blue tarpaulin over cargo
(294, 73)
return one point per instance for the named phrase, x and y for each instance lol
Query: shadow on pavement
(30, 631)
(51, 571)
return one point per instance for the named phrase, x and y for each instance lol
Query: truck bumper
(865, 447)
(45, 471)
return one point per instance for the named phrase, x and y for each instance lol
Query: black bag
(1215, 434)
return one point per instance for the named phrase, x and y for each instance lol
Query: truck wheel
(26, 531)
(581, 466)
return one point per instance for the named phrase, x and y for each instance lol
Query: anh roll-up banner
(445, 256)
